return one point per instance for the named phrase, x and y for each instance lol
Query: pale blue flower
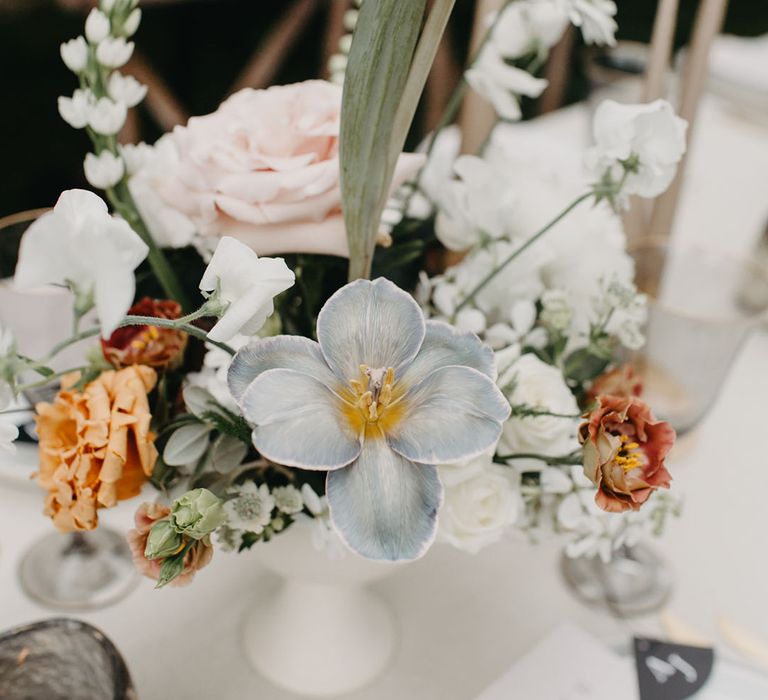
(382, 398)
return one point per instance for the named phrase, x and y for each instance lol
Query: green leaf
(187, 444)
(380, 59)
(171, 568)
(583, 365)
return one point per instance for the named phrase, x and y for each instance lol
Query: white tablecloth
(464, 619)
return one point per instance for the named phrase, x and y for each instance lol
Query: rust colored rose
(96, 447)
(624, 451)
(147, 345)
(621, 381)
(199, 555)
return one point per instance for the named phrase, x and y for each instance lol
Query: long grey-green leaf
(377, 72)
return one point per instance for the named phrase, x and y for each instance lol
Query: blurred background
(196, 52)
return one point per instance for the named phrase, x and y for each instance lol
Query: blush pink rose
(264, 168)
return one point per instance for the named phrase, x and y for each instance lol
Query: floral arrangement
(343, 384)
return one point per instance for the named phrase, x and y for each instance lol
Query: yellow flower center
(629, 456)
(145, 338)
(372, 403)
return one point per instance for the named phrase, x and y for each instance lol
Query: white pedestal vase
(321, 633)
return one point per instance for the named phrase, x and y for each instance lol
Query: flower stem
(572, 459)
(515, 253)
(121, 199)
(177, 324)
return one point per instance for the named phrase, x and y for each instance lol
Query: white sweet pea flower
(502, 84)
(76, 110)
(106, 117)
(529, 26)
(534, 384)
(125, 89)
(481, 503)
(247, 284)
(642, 142)
(380, 399)
(80, 245)
(104, 170)
(96, 26)
(74, 53)
(132, 23)
(114, 52)
(596, 20)
(250, 507)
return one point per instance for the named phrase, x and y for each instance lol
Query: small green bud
(163, 541)
(197, 513)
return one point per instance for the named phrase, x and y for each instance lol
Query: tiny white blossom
(104, 170)
(556, 312)
(126, 89)
(114, 52)
(247, 284)
(96, 26)
(630, 335)
(76, 110)
(132, 22)
(74, 53)
(106, 117)
(251, 508)
(288, 499)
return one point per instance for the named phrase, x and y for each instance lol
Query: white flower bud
(74, 53)
(96, 26)
(107, 117)
(75, 110)
(337, 63)
(345, 43)
(135, 156)
(114, 52)
(131, 24)
(107, 5)
(471, 320)
(126, 89)
(556, 313)
(105, 170)
(350, 19)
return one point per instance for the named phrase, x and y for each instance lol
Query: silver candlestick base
(635, 582)
(81, 571)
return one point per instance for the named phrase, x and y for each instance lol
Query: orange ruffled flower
(147, 345)
(96, 447)
(624, 452)
(199, 555)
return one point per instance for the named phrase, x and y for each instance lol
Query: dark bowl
(61, 659)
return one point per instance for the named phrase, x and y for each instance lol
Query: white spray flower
(76, 110)
(250, 508)
(104, 170)
(288, 499)
(106, 117)
(74, 53)
(126, 89)
(96, 26)
(114, 52)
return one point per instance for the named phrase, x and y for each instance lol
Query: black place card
(667, 671)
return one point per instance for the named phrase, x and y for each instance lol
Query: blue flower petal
(443, 346)
(454, 414)
(371, 323)
(281, 351)
(298, 421)
(384, 506)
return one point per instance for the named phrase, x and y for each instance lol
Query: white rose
(481, 502)
(652, 134)
(534, 384)
(170, 227)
